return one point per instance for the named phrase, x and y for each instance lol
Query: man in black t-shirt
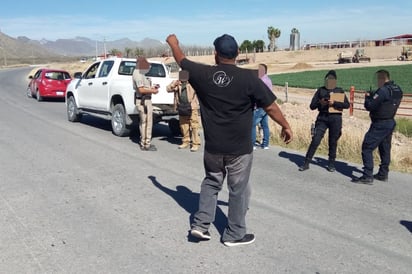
(227, 95)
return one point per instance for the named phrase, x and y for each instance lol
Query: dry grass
(349, 146)
(71, 67)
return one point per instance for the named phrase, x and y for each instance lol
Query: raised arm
(176, 50)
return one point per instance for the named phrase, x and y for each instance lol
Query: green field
(360, 78)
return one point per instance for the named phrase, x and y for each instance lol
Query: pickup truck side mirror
(78, 75)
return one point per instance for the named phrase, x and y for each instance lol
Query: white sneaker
(247, 239)
(199, 234)
(265, 147)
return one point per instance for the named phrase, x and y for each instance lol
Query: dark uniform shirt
(227, 95)
(324, 93)
(383, 104)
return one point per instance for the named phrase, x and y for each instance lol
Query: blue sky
(199, 22)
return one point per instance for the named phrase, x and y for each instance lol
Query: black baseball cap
(226, 46)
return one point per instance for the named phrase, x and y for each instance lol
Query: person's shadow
(189, 200)
(407, 224)
(341, 167)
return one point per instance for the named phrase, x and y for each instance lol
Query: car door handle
(104, 83)
(90, 83)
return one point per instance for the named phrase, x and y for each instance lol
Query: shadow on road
(96, 122)
(407, 224)
(189, 200)
(159, 130)
(341, 167)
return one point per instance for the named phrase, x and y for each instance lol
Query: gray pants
(237, 169)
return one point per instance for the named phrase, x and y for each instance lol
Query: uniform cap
(331, 73)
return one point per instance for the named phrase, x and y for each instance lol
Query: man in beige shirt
(143, 91)
(189, 122)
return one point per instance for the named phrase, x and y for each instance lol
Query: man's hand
(286, 135)
(172, 40)
(155, 89)
(331, 103)
(276, 114)
(324, 101)
(176, 50)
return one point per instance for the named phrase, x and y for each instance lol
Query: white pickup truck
(105, 90)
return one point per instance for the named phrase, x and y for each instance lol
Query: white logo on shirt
(221, 79)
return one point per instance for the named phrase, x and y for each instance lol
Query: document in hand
(337, 97)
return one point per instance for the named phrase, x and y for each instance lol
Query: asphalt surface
(74, 198)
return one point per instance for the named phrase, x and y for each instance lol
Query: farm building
(404, 39)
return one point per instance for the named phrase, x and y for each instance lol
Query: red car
(49, 83)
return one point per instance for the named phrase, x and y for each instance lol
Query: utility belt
(375, 120)
(329, 114)
(144, 97)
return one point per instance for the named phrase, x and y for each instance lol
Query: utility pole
(104, 45)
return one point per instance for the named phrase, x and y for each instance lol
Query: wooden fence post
(286, 91)
(351, 100)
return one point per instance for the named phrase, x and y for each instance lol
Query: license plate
(59, 93)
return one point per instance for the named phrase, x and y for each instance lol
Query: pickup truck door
(93, 89)
(86, 87)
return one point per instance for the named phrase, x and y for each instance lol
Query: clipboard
(337, 97)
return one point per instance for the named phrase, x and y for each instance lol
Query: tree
(259, 45)
(128, 52)
(273, 34)
(294, 30)
(246, 46)
(138, 51)
(115, 52)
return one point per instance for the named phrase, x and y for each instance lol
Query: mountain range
(24, 47)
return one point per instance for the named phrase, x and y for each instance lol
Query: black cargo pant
(325, 121)
(378, 136)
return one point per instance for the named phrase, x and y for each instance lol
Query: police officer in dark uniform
(382, 106)
(329, 117)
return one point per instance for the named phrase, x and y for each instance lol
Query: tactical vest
(390, 105)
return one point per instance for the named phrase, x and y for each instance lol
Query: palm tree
(115, 52)
(273, 34)
(258, 45)
(246, 46)
(295, 30)
(138, 51)
(128, 52)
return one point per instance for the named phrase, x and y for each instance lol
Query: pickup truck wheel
(174, 127)
(119, 126)
(72, 112)
(38, 96)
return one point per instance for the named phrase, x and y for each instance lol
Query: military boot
(331, 166)
(305, 165)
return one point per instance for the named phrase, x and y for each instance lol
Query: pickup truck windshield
(156, 70)
(126, 67)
